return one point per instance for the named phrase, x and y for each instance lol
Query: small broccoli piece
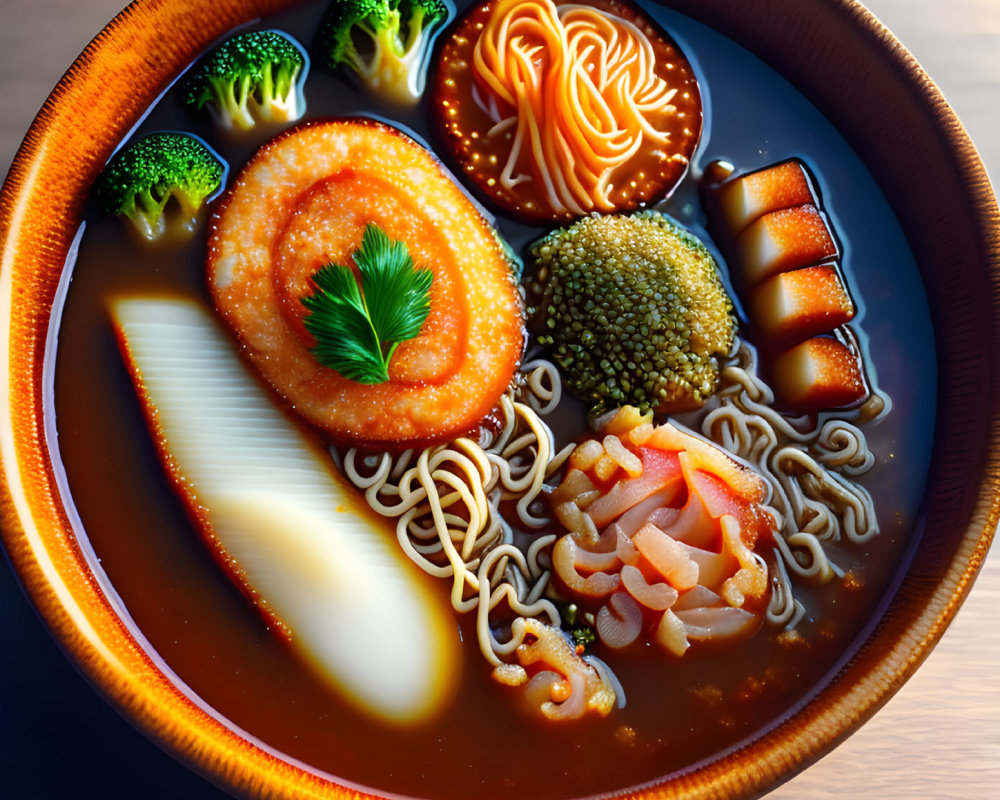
(386, 42)
(252, 77)
(578, 626)
(633, 311)
(141, 178)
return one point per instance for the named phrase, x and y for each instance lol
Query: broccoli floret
(633, 311)
(141, 178)
(386, 42)
(252, 77)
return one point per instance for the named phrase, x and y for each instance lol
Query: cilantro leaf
(398, 295)
(358, 327)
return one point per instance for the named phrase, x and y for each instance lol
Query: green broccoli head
(633, 311)
(385, 42)
(252, 77)
(141, 178)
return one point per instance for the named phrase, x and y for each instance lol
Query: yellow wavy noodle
(809, 466)
(446, 501)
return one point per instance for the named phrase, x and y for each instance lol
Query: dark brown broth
(679, 712)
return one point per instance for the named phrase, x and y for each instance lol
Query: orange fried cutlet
(744, 199)
(782, 240)
(303, 201)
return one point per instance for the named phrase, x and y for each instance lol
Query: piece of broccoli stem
(384, 42)
(150, 219)
(237, 104)
(231, 97)
(394, 65)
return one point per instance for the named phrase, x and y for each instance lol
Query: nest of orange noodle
(555, 109)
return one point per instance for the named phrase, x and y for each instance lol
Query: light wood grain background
(938, 738)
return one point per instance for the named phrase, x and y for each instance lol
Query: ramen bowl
(838, 57)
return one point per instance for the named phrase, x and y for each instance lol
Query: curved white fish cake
(281, 520)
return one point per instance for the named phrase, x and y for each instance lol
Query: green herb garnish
(358, 327)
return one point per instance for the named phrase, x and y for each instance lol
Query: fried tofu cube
(744, 199)
(792, 306)
(818, 373)
(784, 240)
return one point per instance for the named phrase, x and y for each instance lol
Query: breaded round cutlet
(303, 201)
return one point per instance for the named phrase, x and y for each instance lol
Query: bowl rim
(35, 238)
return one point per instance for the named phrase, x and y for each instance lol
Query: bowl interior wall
(836, 54)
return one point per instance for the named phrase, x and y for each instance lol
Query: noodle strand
(579, 86)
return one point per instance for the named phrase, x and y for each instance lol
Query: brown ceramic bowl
(836, 54)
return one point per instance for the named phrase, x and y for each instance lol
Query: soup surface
(678, 712)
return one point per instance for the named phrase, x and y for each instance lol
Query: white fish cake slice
(278, 517)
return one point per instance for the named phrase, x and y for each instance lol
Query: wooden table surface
(938, 738)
